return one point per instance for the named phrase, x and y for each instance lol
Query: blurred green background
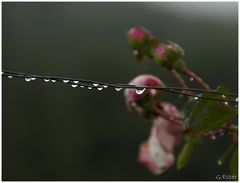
(54, 132)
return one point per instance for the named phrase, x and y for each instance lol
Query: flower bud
(168, 55)
(138, 34)
(143, 100)
(139, 40)
(161, 52)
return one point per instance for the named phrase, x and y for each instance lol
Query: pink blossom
(137, 33)
(153, 156)
(133, 99)
(157, 153)
(169, 134)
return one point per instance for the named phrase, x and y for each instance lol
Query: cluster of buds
(156, 153)
(169, 56)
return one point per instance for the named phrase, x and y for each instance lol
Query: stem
(196, 78)
(221, 131)
(168, 117)
(180, 80)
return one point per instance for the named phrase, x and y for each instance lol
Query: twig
(196, 78)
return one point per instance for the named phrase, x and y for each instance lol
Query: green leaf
(208, 114)
(224, 156)
(188, 109)
(234, 164)
(185, 155)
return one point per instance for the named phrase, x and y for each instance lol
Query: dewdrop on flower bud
(140, 91)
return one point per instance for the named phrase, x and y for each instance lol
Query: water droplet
(53, 80)
(222, 133)
(89, 88)
(236, 99)
(213, 137)
(76, 82)
(191, 79)
(27, 79)
(95, 84)
(140, 90)
(65, 81)
(223, 96)
(46, 80)
(10, 77)
(196, 98)
(74, 85)
(135, 52)
(105, 86)
(133, 104)
(219, 162)
(100, 88)
(226, 103)
(33, 78)
(82, 86)
(118, 89)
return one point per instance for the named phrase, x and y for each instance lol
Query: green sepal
(179, 65)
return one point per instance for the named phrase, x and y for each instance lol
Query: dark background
(54, 132)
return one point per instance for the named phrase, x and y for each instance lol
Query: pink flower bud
(169, 52)
(136, 100)
(137, 33)
(161, 52)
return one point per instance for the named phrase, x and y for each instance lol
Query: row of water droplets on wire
(76, 83)
(223, 96)
(95, 85)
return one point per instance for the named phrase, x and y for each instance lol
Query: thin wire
(122, 85)
(90, 83)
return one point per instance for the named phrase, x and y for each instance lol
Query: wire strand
(97, 84)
